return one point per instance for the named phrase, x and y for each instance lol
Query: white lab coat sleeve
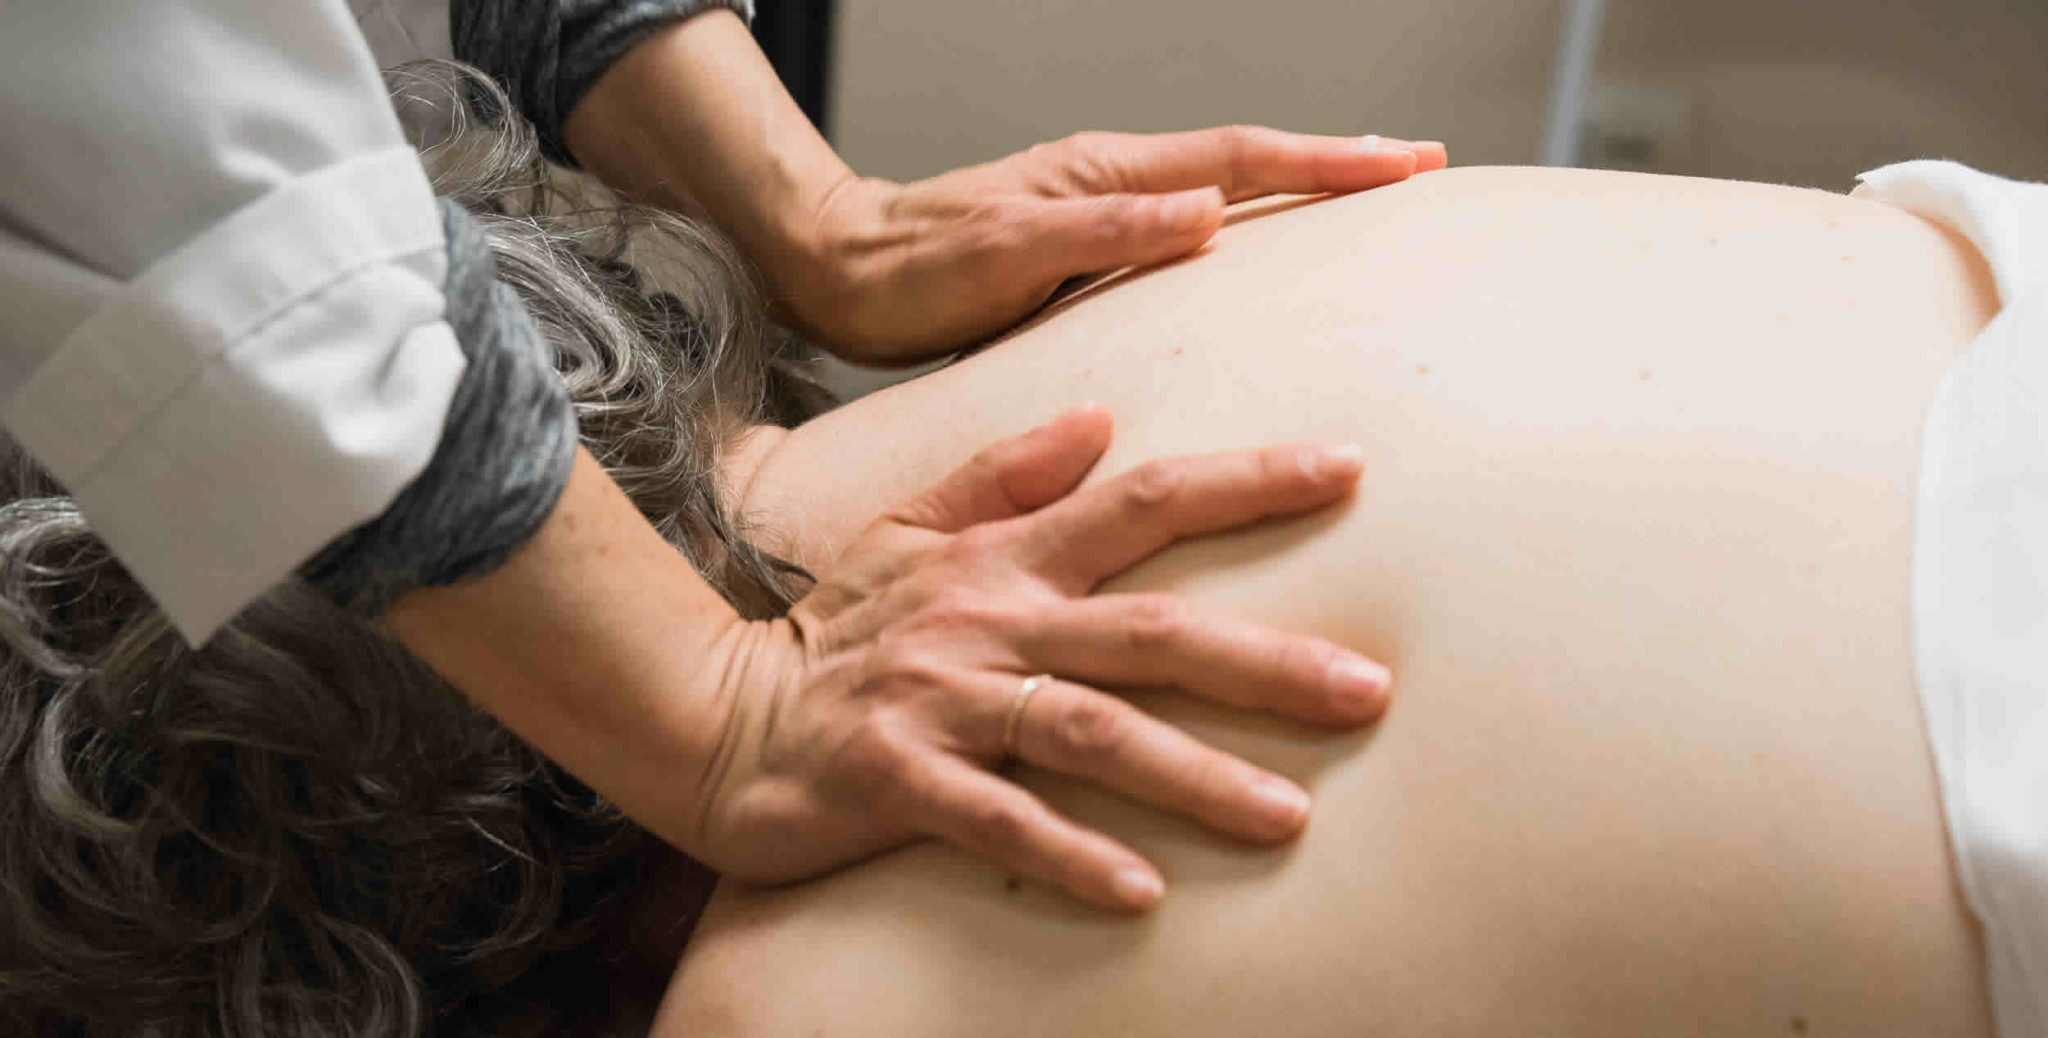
(221, 309)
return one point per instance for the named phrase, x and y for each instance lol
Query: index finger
(1014, 476)
(1094, 534)
(1245, 161)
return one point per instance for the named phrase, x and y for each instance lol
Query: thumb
(1016, 476)
(1070, 236)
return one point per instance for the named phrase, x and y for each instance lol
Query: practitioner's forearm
(779, 749)
(694, 118)
(594, 643)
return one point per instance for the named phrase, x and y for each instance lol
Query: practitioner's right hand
(874, 712)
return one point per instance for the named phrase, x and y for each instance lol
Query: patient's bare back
(1634, 533)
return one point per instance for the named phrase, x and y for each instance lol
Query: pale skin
(869, 716)
(1635, 530)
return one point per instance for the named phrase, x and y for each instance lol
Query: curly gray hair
(298, 829)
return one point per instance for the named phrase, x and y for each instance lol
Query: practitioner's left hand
(895, 272)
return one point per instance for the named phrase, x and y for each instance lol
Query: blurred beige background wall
(1796, 91)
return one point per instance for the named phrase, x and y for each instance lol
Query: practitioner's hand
(889, 273)
(694, 118)
(871, 714)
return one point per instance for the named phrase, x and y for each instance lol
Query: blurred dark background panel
(797, 36)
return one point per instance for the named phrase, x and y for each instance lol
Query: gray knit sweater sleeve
(548, 53)
(503, 458)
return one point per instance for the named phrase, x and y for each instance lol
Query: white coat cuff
(271, 384)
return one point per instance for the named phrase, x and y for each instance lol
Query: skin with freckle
(1655, 764)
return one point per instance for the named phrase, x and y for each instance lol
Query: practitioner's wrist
(597, 643)
(754, 682)
(694, 118)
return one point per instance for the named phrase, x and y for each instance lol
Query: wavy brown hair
(298, 830)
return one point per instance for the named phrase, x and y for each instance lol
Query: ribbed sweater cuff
(502, 460)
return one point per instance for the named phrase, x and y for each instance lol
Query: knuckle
(1076, 164)
(978, 544)
(1030, 622)
(1090, 142)
(989, 461)
(1157, 622)
(1151, 486)
(1240, 150)
(1301, 659)
(1300, 666)
(1248, 140)
(999, 824)
(962, 613)
(948, 611)
(900, 666)
(999, 229)
(913, 798)
(1091, 164)
(990, 471)
(875, 764)
(1051, 153)
(1116, 218)
(1093, 729)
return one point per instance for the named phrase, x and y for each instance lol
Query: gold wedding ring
(1010, 724)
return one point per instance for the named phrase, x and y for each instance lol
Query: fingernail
(1374, 144)
(1360, 677)
(1347, 459)
(1284, 802)
(1186, 210)
(1138, 888)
